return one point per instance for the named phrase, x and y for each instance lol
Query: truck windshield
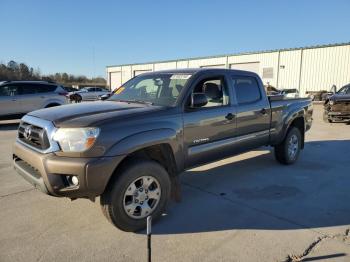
(158, 89)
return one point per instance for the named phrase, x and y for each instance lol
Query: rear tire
(141, 189)
(288, 151)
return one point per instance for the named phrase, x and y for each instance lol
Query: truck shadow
(253, 191)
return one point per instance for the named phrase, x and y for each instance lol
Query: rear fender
(54, 101)
(288, 120)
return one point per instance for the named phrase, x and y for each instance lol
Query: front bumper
(338, 115)
(49, 172)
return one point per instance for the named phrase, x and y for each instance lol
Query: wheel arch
(161, 146)
(52, 104)
(294, 119)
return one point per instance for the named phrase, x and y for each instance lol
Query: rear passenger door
(91, 94)
(253, 111)
(9, 100)
(30, 100)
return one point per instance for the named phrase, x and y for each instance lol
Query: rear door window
(46, 88)
(28, 89)
(8, 90)
(247, 89)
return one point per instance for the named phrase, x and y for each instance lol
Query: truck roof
(197, 70)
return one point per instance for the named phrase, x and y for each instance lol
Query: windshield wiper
(135, 101)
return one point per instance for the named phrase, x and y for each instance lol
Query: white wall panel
(319, 67)
(165, 66)
(289, 69)
(323, 67)
(182, 64)
(126, 73)
(139, 72)
(115, 79)
(266, 60)
(252, 67)
(208, 62)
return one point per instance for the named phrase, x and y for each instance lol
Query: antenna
(93, 64)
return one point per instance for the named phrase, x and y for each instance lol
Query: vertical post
(149, 234)
(301, 68)
(278, 69)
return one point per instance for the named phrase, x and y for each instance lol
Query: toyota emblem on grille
(27, 132)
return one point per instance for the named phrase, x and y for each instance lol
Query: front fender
(148, 138)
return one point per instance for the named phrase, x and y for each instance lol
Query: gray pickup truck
(130, 149)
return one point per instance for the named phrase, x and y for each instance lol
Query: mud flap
(175, 188)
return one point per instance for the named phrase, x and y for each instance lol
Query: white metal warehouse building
(311, 68)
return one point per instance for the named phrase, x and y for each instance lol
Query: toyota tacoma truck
(130, 148)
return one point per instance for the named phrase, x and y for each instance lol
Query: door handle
(230, 116)
(263, 111)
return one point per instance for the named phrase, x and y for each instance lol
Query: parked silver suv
(20, 97)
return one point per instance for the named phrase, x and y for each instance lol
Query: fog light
(75, 180)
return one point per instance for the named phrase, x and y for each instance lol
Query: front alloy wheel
(140, 188)
(142, 197)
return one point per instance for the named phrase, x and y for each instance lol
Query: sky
(83, 37)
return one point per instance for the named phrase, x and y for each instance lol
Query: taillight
(63, 93)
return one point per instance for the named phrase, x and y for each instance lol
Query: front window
(215, 89)
(158, 89)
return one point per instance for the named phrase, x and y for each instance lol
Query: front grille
(341, 106)
(34, 136)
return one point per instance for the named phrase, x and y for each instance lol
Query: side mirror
(198, 100)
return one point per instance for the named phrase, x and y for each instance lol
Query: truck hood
(339, 98)
(92, 113)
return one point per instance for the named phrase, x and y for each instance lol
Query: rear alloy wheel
(288, 151)
(293, 146)
(140, 189)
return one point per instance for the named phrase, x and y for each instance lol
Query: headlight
(331, 102)
(76, 139)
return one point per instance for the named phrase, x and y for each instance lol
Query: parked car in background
(89, 93)
(290, 93)
(105, 96)
(70, 89)
(20, 97)
(337, 105)
(317, 95)
(271, 90)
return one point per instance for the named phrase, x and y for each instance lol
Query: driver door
(208, 129)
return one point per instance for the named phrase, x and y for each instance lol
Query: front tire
(288, 151)
(141, 189)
